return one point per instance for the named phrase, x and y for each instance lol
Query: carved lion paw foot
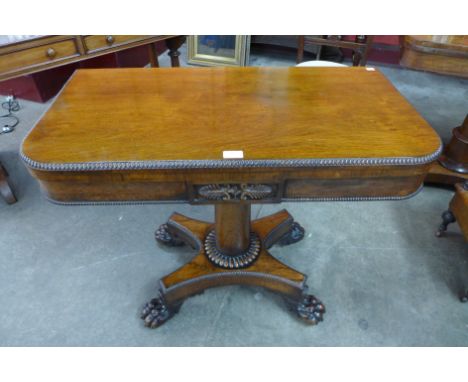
(155, 313)
(310, 309)
(464, 298)
(163, 236)
(447, 218)
(295, 234)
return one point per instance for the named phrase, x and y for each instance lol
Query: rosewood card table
(230, 137)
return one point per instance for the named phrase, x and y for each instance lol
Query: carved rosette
(241, 260)
(242, 191)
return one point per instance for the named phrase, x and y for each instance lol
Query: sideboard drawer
(40, 55)
(98, 42)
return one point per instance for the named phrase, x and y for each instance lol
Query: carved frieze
(241, 191)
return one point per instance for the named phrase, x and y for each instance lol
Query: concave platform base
(439, 175)
(201, 273)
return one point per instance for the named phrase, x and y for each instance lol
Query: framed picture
(215, 50)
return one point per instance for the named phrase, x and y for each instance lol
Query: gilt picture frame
(218, 50)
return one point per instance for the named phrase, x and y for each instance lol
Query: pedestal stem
(232, 227)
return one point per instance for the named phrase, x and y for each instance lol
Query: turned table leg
(231, 251)
(153, 55)
(173, 44)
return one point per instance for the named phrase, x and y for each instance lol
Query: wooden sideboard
(21, 55)
(436, 53)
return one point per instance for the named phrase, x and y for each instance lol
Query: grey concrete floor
(78, 276)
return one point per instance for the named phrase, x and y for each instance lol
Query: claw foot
(447, 218)
(310, 309)
(155, 313)
(163, 236)
(295, 234)
(464, 298)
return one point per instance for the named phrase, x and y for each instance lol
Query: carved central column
(232, 227)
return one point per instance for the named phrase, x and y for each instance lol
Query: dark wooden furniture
(142, 135)
(452, 166)
(360, 46)
(457, 212)
(455, 154)
(438, 54)
(31, 54)
(5, 189)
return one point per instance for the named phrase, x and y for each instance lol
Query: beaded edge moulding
(300, 199)
(230, 163)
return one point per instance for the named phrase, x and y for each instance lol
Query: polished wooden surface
(36, 53)
(40, 55)
(188, 114)
(197, 113)
(438, 174)
(201, 273)
(232, 226)
(459, 207)
(97, 43)
(452, 165)
(178, 185)
(455, 155)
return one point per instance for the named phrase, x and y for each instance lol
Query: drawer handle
(51, 53)
(110, 40)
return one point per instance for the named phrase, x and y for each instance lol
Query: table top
(121, 118)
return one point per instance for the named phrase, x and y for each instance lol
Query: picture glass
(216, 45)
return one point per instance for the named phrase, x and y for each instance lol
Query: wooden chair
(5, 189)
(360, 46)
(320, 63)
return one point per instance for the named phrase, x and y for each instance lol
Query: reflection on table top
(197, 113)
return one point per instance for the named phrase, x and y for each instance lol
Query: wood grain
(29, 56)
(178, 185)
(194, 114)
(200, 273)
(439, 54)
(440, 175)
(96, 43)
(232, 227)
(197, 113)
(459, 207)
(38, 55)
